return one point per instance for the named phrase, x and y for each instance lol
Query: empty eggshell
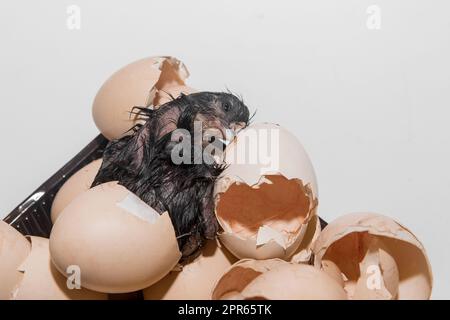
(196, 279)
(294, 282)
(276, 279)
(75, 185)
(239, 275)
(119, 243)
(137, 84)
(14, 248)
(41, 281)
(379, 258)
(267, 194)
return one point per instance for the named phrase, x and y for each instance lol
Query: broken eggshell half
(378, 257)
(119, 243)
(294, 282)
(149, 82)
(276, 279)
(267, 194)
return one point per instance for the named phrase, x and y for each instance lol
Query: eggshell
(14, 248)
(294, 282)
(358, 241)
(239, 275)
(381, 282)
(75, 185)
(255, 227)
(136, 84)
(168, 94)
(204, 271)
(119, 242)
(233, 295)
(41, 281)
(267, 194)
(330, 268)
(304, 253)
(271, 144)
(137, 295)
(390, 271)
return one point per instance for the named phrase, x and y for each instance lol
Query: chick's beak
(232, 131)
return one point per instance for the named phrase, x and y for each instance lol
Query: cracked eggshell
(138, 84)
(304, 253)
(41, 281)
(119, 243)
(75, 185)
(167, 94)
(196, 279)
(330, 268)
(267, 149)
(294, 282)
(381, 282)
(241, 274)
(14, 248)
(358, 242)
(267, 194)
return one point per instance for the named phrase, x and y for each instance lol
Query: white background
(370, 106)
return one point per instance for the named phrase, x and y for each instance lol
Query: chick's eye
(226, 107)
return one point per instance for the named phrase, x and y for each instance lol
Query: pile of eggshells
(106, 241)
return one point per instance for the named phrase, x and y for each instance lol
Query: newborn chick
(143, 162)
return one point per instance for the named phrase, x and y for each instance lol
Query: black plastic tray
(32, 216)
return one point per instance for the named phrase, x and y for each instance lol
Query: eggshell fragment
(137, 84)
(41, 281)
(14, 248)
(75, 185)
(239, 275)
(379, 276)
(389, 270)
(196, 279)
(119, 243)
(267, 194)
(167, 94)
(330, 268)
(304, 253)
(380, 259)
(294, 282)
